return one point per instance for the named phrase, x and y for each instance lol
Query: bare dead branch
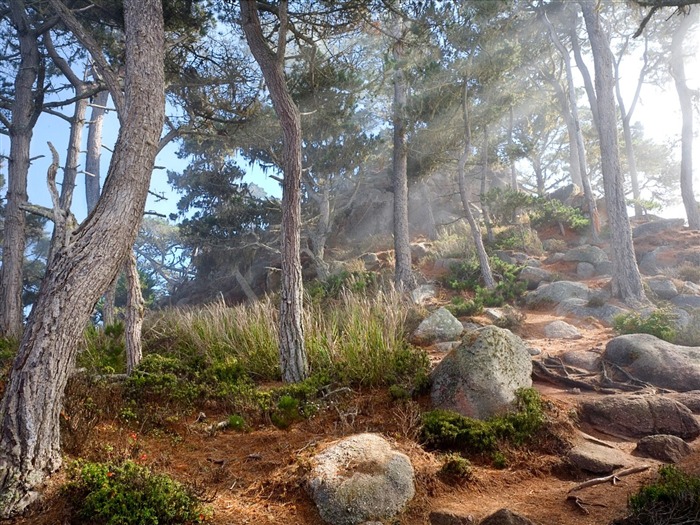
(612, 478)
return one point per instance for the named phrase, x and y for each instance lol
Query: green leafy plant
(237, 422)
(103, 350)
(444, 429)
(658, 323)
(287, 412)
(673, 498)
(129, 494)
(456, 469)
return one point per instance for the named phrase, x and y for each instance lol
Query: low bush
(456, 469)
(444, 429)
(129, 494)
(103, 350)
(359, 282)
(659, 323)
(674, 498)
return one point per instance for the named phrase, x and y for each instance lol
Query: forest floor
(257, 477)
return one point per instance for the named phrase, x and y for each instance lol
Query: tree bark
(94, 150)
(582, 67)
(293, 359)
(626, 281)
(685, 98)
(490, 237)
(135, 312)
(626, 117)
(513, 172)
(24, 114)
(484, 264)
(403, 272)
(578, 134)
(81, 270)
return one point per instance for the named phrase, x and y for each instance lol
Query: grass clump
(447, 430)
(103, 350)
(674, 498)
(129, 494)
(456, 469)
(659, 323)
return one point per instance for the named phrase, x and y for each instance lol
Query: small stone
(663, 447)
(561, 330)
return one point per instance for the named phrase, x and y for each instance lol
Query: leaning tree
(84, 260)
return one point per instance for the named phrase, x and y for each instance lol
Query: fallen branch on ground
(613, 478)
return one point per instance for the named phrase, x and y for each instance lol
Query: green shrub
(129, 494)
(103, 350)
(359, 282)
(444, 429)
(674, 498)
(237, 422)
(658, 323)
(456, 469)
(287, 412)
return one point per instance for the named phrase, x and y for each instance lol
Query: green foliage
(673, 498)
(129, 494)
(456, 469)
(466, 276)
(443, 429)
(237, 422)
(287, 412)
(506, 205)
(8, 351)
(658, 323)
(358, 282)
(103, 350)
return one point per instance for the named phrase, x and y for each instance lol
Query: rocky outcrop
(635, 416)
(361, 478)
(663, 447)
(582, 308)
(586, 253)
(534, 276)
(561, 330)
(598, 459)
(479, 378)
(662, 287)
(656, 227)
(656, 361)
(555, 293)
(506, 517)
(439, 326)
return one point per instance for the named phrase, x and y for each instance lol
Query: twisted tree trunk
(81, 269)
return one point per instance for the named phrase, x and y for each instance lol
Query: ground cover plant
(658, 323)
(672, 499)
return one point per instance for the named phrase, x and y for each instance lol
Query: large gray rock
(585, 270)
(597, 458)
(361, 478)
(580, 308)
(656, 361)
(586, 253)
(663, 447)
(423, 293)
(561, 330)
(686, 302)
(557, 292)
(635, 416)
(506, 517)
(690, 399)
(534, 276)
(662, 287)
(479, 378)
(441, 325)
(658, 226)
(584, 359)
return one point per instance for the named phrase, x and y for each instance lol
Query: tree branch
(101, 64)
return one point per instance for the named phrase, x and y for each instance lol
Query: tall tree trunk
(403, 272)
(626, 281)
(94, 150)
(293, 359)
(578, 133)
(484, 264)
(25, 112)
(574, 164)
(685, 97)
(490, 237)
(626, 117)
(581, 65)
(81, 270)
(319, 235)
(513, 173)
(135, 312)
